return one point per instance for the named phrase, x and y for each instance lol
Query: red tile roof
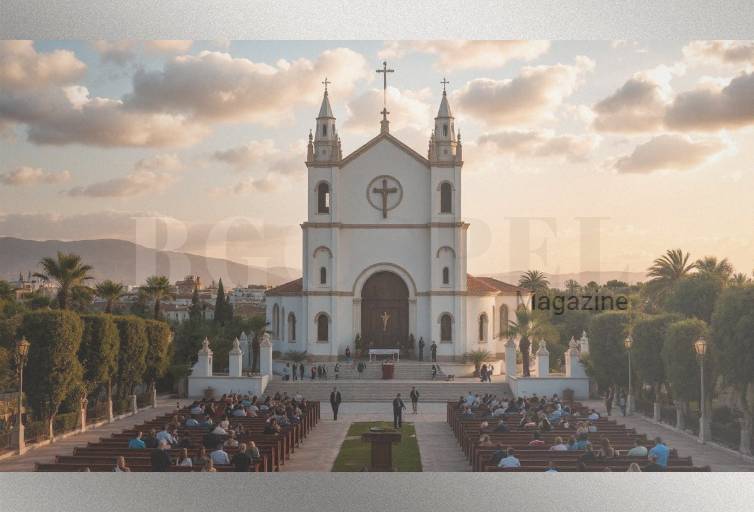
(489, 285)
(294, 287)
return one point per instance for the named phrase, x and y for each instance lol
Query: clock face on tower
(384, 193)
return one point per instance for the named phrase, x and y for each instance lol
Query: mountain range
(130, 263)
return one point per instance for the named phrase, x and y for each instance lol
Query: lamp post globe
(628, 343)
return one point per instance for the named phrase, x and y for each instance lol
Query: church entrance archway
(384, 310)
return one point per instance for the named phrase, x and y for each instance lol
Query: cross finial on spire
(384, 72)
(444, 83)
(325, 83)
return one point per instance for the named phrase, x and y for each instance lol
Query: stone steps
(367, 390)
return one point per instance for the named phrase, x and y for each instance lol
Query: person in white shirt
(231, 442)
(511, 461)
(219, 456)
(559, 445)
(220, 429)
(593, 416)
(639, 450)
(165, 435)
(498, 412)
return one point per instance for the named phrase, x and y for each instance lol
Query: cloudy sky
(614, 151)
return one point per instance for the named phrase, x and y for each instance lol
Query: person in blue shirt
(581, 442)
(661, 452)
(136, 442)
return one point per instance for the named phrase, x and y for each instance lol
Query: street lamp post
(700, 346)
(22, 352)
(628, 342)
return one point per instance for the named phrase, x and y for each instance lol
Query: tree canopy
(649, 337)
(133, 352)
(53, 367)
(99, 348)
(607, 360)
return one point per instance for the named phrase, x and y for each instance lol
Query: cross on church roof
(325, 83)
(444, 83)
(384, 72)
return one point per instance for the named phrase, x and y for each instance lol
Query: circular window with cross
(384, 193)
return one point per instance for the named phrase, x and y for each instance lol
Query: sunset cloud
(263, 156)
(531, 96)
(149, 175)
(215, 86)
(25, 175)
(408, 109)
(22, 67)
(714, 108)
(540, 144)
(453, 55)
(669, 153)
(720, 52)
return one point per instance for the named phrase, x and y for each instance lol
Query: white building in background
(385, 251)
(252, 294)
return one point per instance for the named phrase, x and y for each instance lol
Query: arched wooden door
(384, 310)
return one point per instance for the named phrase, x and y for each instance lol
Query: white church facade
(385, 252)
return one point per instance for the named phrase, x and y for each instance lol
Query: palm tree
(667, 270)
(739, 279)
(67, 271)
(157, 288)
(526, 327)
(111, 292)
(534, 280)
(710, 267)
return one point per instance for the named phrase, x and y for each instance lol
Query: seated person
(485, 441)
(192, 422)
(150, 441)
(593, 415)
(219, 456)
(238, 412)
(137, 442)
(551, 468)
(588, 455)
(537, 440)
(654, 465)
(231, 442)
(220, 429)
(241, 461)
(501, 427)
(165, 435)
(196, 409)
(639, 450)
(581, 442)
(510, 461)
(661, 452)
(559, 445)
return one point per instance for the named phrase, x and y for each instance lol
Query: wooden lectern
(382, 448)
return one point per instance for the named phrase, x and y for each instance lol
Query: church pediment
(388, 138)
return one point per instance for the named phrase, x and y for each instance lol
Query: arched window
(324, 130)
(446, 328)
(291, 327)
(322, 327)
(323, 198)
(483, 327)
(446, 198)
(322, 275)
(445, 130)
(503, 321)
(275, 321)
(445, 275)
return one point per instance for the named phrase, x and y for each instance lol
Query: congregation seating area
(475, 429)
(275, 448)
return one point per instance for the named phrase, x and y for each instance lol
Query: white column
(574, 367)
(510, 358)
(246, 349)
(235, 359)
(203, 366)
(543, 360)
(154, 397)
(134, 405)
(265, 356)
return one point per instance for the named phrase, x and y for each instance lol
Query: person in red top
(537, 441)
